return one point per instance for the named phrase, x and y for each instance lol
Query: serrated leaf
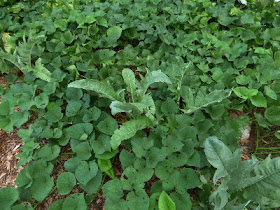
(203, 99)
(41, 72)
(102, 88)
(263, 179)
(118, 107)
(130, 81)
(128, 130)
(65, 183)
(25, 49)
(165, 202)
(154, 77)
(217, 155)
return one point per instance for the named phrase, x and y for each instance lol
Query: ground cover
(140, 104)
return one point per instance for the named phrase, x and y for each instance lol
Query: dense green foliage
(140, 86)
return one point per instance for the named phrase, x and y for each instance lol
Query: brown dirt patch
(10, 146)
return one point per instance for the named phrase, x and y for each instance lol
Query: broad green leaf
(114, 32)
(101, 144)
(113, 189)
(41, 187)
(181, 200)
(272, 114)
(245, 93)
(72, 164)
(65, 183)
(93, 114)
(73, 108)
(8, 196)
(61, 24)
(188, 179)
(140, 146)
(104, 56)
(128, 130)
(270, 93)
(19, 118)
(6, 124)
(75, 201)
(67, 37)
(54, 113)
(5, 108)
(165, 202)
(41, 101)
(259, 100)
(22, 207)
(138, 200)
(86, 171)
(83, 151)
(102, 88)
(146, 105)
(47, 152)
(94, 184)
(169, 107)
(107, 126)
(57, 205)
(104, 165)
(78, 130)
(73, 94)
(127, 159)
(154, 156)
(107, 155)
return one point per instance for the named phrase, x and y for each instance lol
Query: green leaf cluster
(122, 95)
